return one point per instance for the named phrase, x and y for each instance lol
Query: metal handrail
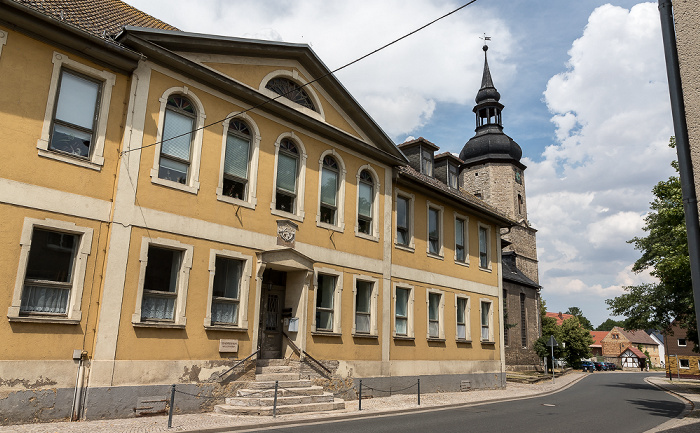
(240, 362)
(298, 350)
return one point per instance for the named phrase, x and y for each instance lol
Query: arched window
(176, 147)
(365, 203)
(237, 160)
(290, 90)
(329, 190)
(287, 172)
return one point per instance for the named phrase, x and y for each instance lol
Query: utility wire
(310, 82)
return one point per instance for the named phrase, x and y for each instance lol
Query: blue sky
(583, 84)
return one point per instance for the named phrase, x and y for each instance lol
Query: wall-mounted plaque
(286, 233)
(228, 346)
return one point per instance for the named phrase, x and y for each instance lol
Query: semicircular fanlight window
(290, 90)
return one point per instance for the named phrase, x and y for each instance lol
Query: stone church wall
(519, 357)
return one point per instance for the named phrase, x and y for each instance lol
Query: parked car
(611, 366)
(600, 366)
(588, 366)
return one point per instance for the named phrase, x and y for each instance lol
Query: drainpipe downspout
(685, 165)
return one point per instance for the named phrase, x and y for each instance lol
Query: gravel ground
(200, 422)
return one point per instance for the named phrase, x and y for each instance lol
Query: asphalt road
(601, 402)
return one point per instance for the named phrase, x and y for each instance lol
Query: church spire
(487, 92)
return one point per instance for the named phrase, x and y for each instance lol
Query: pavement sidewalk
(688, 390)
(211, 422)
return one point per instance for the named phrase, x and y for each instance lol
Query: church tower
(493, 172)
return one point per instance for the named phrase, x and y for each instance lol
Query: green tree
(576, 311)
(574, 340)
(609, 324)
(665, 254)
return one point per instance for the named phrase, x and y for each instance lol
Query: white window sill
(72, 160)
(222, 327)
(408, 248)
(370, 336)
(463, 341)
(164, 325)
(44, 319)
(435, 256)
(237, 202)
(339, 229)
(326, 334)
(174, 185)
(436, 339)
(283, 214)
(372, 238)
(404, 337)
(465, 264)
(485, 269)
(488, 343)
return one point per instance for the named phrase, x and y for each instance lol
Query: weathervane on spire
(485, 39)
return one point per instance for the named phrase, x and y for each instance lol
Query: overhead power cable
(310, 82)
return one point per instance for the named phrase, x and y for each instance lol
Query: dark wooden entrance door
(271, 305)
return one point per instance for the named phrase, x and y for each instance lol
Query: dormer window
(426, 165)
(291, 90)
(452, 176)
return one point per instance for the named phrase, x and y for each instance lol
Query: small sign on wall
(228, 346)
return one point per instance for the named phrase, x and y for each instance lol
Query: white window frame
(465, 240)
(489, 247)
(340, 193)
(456, 178)
(298, 214)
(374, 235)
(441, 315)
(483, 301)
(441, 223)
(337, 297)
(685, 343)
(411, 200)
(108, 79)
(410, 329)
(680, 366)
(73, 312)
(467, 319)
(192, 185)
(374, 296)
(251, 201)
(179, 317)
(309, 88)
(430, 165)
(243, 290)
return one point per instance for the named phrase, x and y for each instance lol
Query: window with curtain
(462, 318)
(460, 240)
(237, 160)
(434, 315)
(325, 294)
(226, 290)
(427, 162)
(160, 284)
(176, 146)
(483, 247)
(401, 311)
(485, 319)
(287, 173)
(329, 190)
(49, 276)
(402, 221)
(365, 203)
(363, 307)
(75, 114)
(434, 231)
(452, 176)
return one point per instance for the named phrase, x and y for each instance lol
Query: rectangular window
(75, 115)
(325, 295)
(462, 318)
(523, 327)
(681, 342)
(226, 291)
(365, 202)
(452, 176)
(685, 363)
(49, 276)
(460, 240)
(402, 221)
(401, 320)
(483, 247)
(236, 162)
(434, 315)
(329, 192)
(485, 321)
(434, 243)
(160, 284)
(286, 182)
(363, 307)
(426, 162)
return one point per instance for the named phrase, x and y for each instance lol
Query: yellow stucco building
(172, 202)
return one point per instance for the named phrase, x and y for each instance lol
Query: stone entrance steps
(294, 395)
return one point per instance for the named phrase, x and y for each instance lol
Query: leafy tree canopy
(609, 324)
(574, 340)
(665, 254)
(576, 311)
